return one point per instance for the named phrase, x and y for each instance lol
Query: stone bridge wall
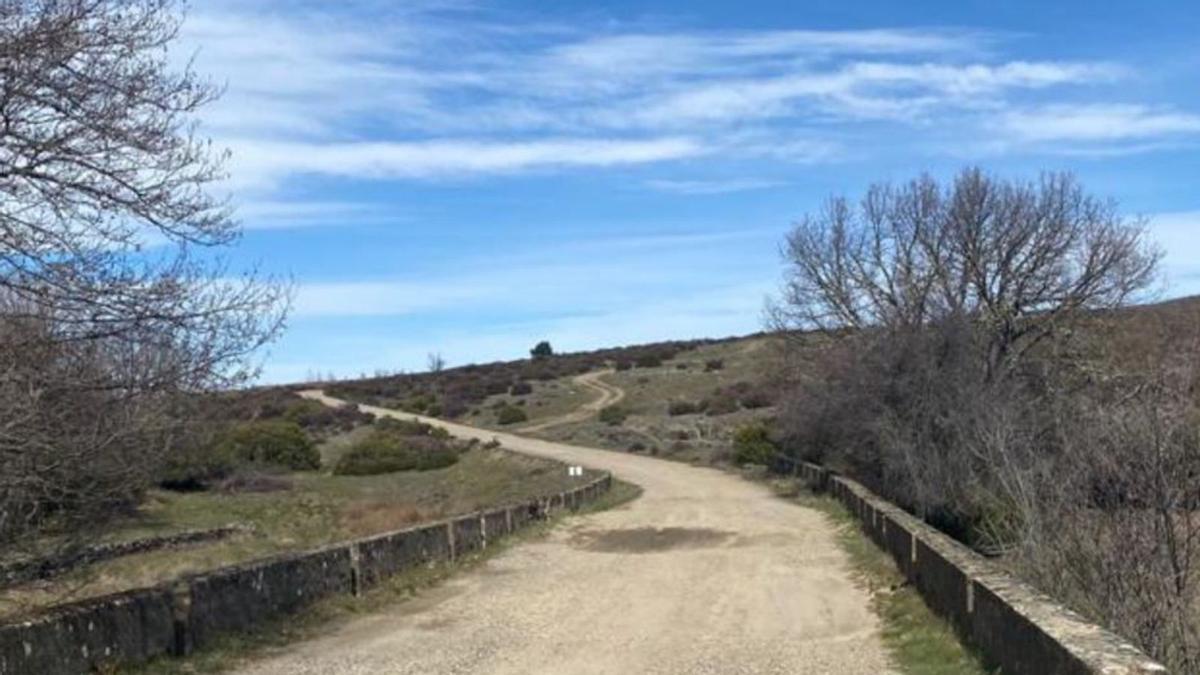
(176, 618)
(1015, 628)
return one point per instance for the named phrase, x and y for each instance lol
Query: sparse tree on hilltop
(436, 362)
(542, 350)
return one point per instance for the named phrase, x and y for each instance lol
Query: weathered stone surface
(468, 534)
(80, 637)
(383, 555)
(496, 523)
(239, 597)
(1015, 628)
(139, 625)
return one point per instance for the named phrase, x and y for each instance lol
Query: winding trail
(609, 395)
(705, 573)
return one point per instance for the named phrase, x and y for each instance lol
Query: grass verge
(231, 650)
(319, 509)
(919, 641)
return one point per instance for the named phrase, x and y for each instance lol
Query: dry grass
(695, 438)
(548, 400)
(320, 509)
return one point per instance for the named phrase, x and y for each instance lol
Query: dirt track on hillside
(609, 395)
(705, 573)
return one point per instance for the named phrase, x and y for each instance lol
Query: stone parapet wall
(1015, 628)
(175, 618)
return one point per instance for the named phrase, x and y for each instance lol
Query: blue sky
(470, 178)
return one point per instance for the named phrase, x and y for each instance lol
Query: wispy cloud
(273, 215)
(426, 93)
(711, 187)
(265, 162)
(1098, 123)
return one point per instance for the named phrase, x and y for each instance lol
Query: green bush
(273, 443)
(613, 415)
(713, 365)
(752, 444)
(510, 414)
(196, 466)
(542, 350)
(388, 452)
(401, 427)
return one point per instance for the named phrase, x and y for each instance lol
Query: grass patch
(919, 641)
(320, 509)
(686, 434)
(272, 637)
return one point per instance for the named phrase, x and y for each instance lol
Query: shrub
(418, 404)
(713, 365)
(758, 397)
(752, 445)
(521, 389)
(197, 466)
(623, 364)
(613, 415)
(388, 452)
(542, 350)
(272, 443)
(648, 361)
(720, 403)
(308, 413)
(401, 427)
(511, 414)
(676, 408)
(493, 387)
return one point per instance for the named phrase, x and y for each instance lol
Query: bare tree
(113, 305)
(972, 380)
(1015, 257)
(436, 363)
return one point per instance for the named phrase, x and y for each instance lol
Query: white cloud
(272, 215)
(259, 163)
(712, 187)
(861, 90)
(1098, 123)
(420, 92)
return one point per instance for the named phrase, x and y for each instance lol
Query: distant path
(705, 573)
(609, 395)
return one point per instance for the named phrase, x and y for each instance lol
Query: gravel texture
(705, 573)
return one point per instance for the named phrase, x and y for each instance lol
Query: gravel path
(705, 573)
(608, 395)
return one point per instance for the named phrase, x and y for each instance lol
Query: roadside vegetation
(116, 309)
(454, 393)
(232, 650)
(976, 362)
(328, 476)
(686, 407)
(919, 641)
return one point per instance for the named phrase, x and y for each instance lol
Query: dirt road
(705, 573)
(608, 395)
